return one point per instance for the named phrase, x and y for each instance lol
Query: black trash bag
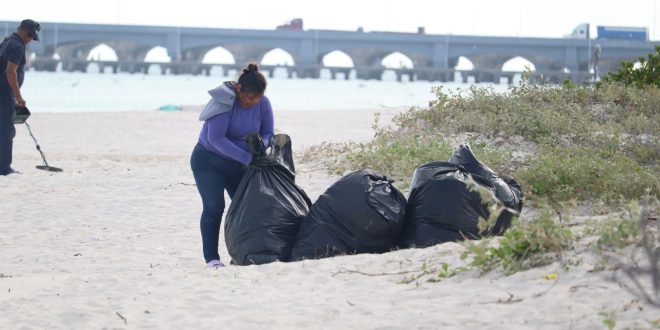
(444, 205)
(507, 190)
(360, 213)
(268, 207)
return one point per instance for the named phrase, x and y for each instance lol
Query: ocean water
(86, 92)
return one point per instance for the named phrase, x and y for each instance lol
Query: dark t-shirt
(13, 50)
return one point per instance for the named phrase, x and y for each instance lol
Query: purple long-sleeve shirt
(224, 133)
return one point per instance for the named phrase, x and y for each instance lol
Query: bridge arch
(157, 54)
(277, 57)
(518, 64)
(97, 56)
(337, 59)
(102, 52)
(397, 60)
(218, 55)
(277, 60)
(218, 61)
(463, 63)
(396, 65)
(463, 68)
(336, 63)
(513, 68)
(154, 58)
(546, 68)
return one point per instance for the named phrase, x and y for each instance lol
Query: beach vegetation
(562, 143)
(618, 230)
(433, 273)
(526, 244)
(609, 318)
(648, 72)
(567, 145)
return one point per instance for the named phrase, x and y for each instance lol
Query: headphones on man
(32, 28)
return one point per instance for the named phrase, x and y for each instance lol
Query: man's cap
(32, 27)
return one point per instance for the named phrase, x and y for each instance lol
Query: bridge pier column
(440, 60)
(369, 73)
(307, 71)
(45, 63)
(571, 62)
(509, 78)
(441, 76)
(496, 78)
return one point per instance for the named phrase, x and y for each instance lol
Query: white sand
(113, 242)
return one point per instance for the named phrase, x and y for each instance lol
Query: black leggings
(214, 174)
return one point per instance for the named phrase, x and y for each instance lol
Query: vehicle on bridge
(610, 32)
(624, 33)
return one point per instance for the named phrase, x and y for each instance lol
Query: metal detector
(20, 116)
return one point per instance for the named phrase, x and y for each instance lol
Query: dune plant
(526, 244)
(648, 72)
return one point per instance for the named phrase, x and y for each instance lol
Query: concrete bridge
(434, 57)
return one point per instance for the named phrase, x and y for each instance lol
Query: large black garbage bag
(445, 201)
(268, 207)
(360, 213)
(442, 207)
(507, 190)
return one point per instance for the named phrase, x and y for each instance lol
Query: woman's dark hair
(251, 80)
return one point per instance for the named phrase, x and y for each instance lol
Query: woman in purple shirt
(221, 157)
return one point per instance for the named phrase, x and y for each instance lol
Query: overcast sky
(532, 18)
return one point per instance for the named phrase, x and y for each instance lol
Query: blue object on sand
(170, 107)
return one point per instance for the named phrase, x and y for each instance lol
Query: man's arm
(12, 78)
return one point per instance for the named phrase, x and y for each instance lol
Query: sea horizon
(54, 92)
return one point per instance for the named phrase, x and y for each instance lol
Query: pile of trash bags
(272, 219)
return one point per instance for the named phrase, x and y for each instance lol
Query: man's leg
(7, 133)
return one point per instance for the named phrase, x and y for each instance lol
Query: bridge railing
(305, 71)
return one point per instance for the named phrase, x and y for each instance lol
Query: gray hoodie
(222, 100)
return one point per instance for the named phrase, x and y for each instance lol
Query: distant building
(294, 24)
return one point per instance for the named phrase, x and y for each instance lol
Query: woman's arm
(267, 128)
(217, 137)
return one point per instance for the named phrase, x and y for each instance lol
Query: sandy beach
(113, 242)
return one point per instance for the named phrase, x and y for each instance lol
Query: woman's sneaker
(215, 264)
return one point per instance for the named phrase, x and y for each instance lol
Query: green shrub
(562, 174)
(398, 157)
(648, 74)
(395, 157)
(526, 244)
(626, 227)
(537, 112)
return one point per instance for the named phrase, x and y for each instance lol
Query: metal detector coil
(20, 116)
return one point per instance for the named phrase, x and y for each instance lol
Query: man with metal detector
(12, 73)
